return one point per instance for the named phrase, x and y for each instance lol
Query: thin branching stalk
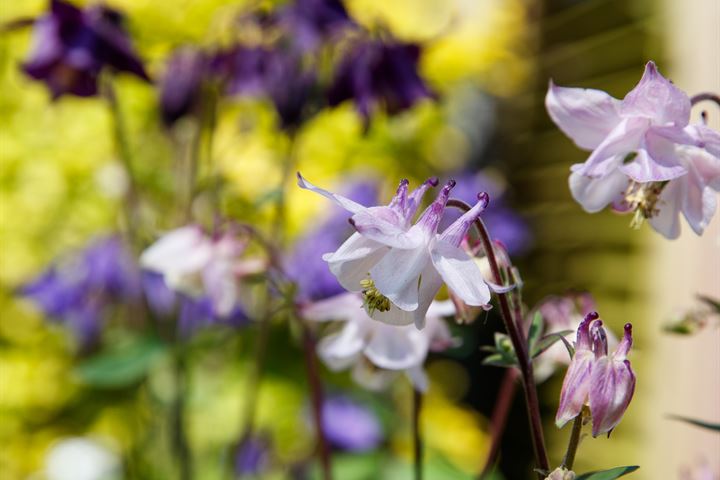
(178, 411)
(498, 421)
(519, 342)
(701, 97)
(417, 434)
(573, 442)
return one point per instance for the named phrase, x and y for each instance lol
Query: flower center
(642, 199)
(373, 299)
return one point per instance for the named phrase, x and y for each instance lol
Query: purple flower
(605, 382)
(349, 425)
(378, 75)
(161, 299)
(645, 157)
(197, 313)
(252, 456)
(75, 291)
(181, 85)
(305, 264)
(504, 223)
(310, 22)
(399, 267)
(71, 46)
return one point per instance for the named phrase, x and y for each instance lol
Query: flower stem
(517, 337)
(499, 417)
(573, 442)
(700, 97)
(417, 434)
(316, 394)
(180, 444)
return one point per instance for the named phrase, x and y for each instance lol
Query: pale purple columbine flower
(200, 265)
(76, 290)
(377, 351)
(350, 426)
(605, 382)
(562, 313)
(645, 158)
(400, 267)
(71, 46)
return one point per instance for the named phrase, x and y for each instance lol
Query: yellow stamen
(643, 198)
(374, 300)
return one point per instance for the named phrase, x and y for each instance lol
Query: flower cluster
(605, 382)
(646, 156)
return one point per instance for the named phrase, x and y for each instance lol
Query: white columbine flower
(399, 268)
(194, 263)
(377, 351)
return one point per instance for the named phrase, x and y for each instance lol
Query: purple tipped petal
(415, 198)
(599, 339)
(456, 232)
(460, 273)
(657, 98)
(346, 203)
(576, 386)
(613, 385)
(586, 116)
(623, 347)
(430, 218)
(583, 333)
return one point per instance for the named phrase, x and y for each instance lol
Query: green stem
(573, 442)
(180, 443)
(417, 434)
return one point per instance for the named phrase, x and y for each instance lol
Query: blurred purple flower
(252, 456)
(71, 46)
(349, 425)
(305, 264)
(196, 313)
(379, 75)
(503, 222)
(310, 22)
(181, 85)
(161, 299)
(76, 291)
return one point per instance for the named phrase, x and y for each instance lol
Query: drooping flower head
(645, 158)
(400, 267)
(379, 75)
(605, 382)
(376, 351)
(76, 290)
(181, 85)
(71, 46)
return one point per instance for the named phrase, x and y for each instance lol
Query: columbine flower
(562, 313)
(400, 268)
(349, 425)
(375, 350)
(379, 76)
(253, 456)
(77, 290)
(198, 265)
(312, 21)
(645, 157)
(72, 46)
(605, 382)
(181, 86)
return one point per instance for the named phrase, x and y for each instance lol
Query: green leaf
(123, 366)
(710, 302)
(611, 474)
(499, 360)
(536, 328)
(697, 423)
(548, 341)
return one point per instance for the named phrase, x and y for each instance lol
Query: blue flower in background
(252, 456)
(350, 426)
(76, 290)
(305, 264)
(181, 85)
(196, 313)
(379, 75)
(71, 46)
(310, 22)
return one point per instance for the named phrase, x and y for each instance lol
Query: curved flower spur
(399, 267)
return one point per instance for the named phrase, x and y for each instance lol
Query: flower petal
(594, 194)
(655, 97)
(699, 201)
(339, 307)
(418, 378)
(656, 162)
(397, 275)
(625, 138)
(667, 220)
(396, 348)
(394, 316)
(353, 260)
(587, 116)
(185, 249)
(385, 225)
(612, 388)
(460, 273)
(340, 350)
(344, 202)
(705, 137)
(575, 387)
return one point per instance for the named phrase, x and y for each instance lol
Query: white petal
(441, 308)
(460, 273)
(396, 348)
(344, 202)
(340, 350)
(418, 378)
(353, 260)
(429, 286)
(221, 286)
(397, 275)
(186, 249)
(627, 137)
(594, 194)
(667, 221)
(394, 316)
(384, 225)
(586, 116)
(339, 307)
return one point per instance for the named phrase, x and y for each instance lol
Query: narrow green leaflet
(611, 474)
(123, 366)
(697, 423)
(548, 341)
(536, 328)
(710, 302)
